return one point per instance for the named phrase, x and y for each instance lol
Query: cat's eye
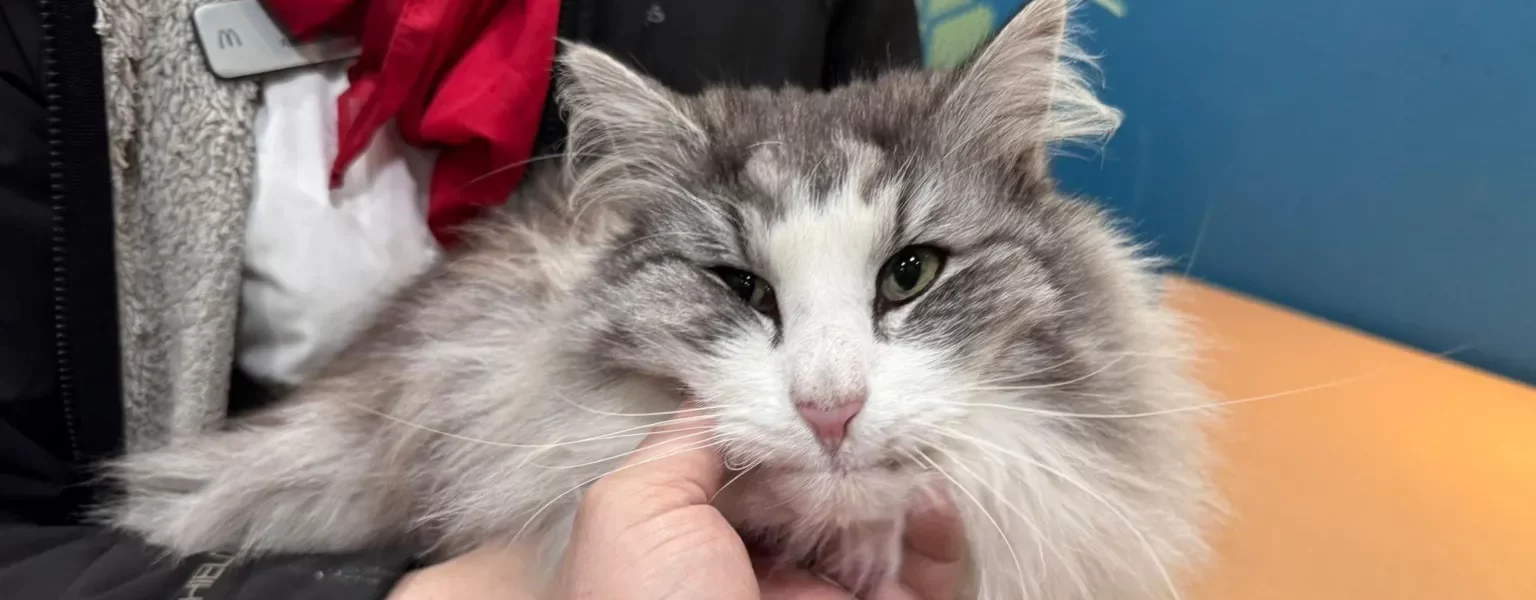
(752, 289)
(909, 272)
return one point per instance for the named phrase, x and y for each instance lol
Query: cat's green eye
(909, 273)
(752, 289)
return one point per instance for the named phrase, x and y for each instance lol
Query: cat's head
(859, 285)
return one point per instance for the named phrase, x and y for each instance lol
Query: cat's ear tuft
(612, 108)
(1025, 93)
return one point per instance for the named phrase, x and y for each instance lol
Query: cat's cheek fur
(663, 317)
(910, 401)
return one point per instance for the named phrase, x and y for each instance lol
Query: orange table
(1413, 479)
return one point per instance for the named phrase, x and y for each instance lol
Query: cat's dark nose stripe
(829, 421)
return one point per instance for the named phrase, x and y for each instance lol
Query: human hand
(648, 532)
(493, 572)
(932, 564)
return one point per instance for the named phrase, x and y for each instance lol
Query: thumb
(677, 465)
(646, 530)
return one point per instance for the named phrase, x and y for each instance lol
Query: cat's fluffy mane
(493, 389)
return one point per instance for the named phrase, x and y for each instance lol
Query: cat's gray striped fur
(591, 296)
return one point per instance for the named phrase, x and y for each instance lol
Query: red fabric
(466, 76)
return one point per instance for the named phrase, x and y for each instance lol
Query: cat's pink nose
(829, 421)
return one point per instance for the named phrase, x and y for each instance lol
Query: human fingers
(647, 531)
(933, 553)
(492, 572)
(675, 466)
(797, 584)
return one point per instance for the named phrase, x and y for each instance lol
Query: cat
(868, 291)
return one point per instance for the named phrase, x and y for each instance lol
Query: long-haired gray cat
(867, 291)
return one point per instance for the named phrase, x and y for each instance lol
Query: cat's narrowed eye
(909, 273)
(752, 289)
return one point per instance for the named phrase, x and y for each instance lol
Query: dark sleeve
(79, 563)
(870, 36)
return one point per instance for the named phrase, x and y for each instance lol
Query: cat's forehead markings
(827, 240)
(766, 170)
(811, 170)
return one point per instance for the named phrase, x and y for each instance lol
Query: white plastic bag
(319, 262)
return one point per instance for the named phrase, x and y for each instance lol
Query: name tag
(239, 40)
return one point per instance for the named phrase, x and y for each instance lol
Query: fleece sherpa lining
(182, 152)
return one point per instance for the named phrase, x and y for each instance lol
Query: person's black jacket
(60, 389)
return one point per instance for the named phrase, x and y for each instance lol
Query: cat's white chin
(832, 497)
(844, 523)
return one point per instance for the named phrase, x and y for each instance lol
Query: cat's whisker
(1045, 386)
(1205, 222)
(1017, 376)
(1068, 518)
(983, 508)
(640, 430)
(1042, 544)
(660, 413)
(1213, 406)
(507, 167)
(1013, 468)
(1117, 511)
(697, 431)
(683, 234)
(1063, 363)
(800, 493)
(440, 432)
(739, 467)
(605, 437)
(534, 517)
(732, 480)
(472, 440)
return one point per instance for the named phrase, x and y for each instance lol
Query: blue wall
(1373, 163)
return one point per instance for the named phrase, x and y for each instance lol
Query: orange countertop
(1388, 474)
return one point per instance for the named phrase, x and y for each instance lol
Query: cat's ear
(611, 108)
(1024, 93)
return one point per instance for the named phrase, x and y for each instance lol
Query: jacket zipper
(88, 384)
(63, 365)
